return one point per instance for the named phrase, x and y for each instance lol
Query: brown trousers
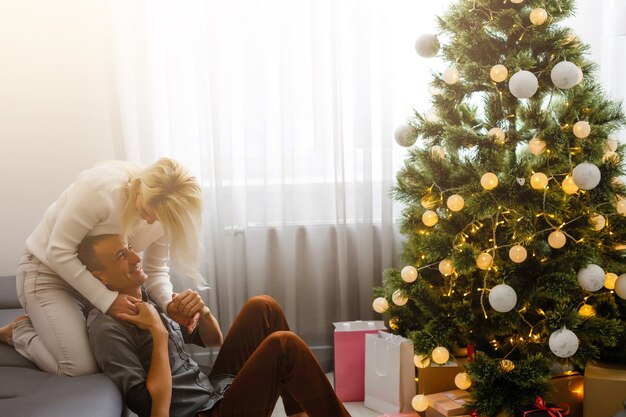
(270, 361)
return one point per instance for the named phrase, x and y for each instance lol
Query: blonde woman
(158, 208)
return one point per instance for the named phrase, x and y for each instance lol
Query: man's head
(110, 259)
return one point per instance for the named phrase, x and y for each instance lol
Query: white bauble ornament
(536, 146)
(462, 380)
(591, 277)
(598, 222)
(538, 16)
(489, 181)
(432, 115)
(556, 239)
(484, 261)
(569, 186)
(435, 91)
(380, 305)
(430, 218)
(398, 298)
(405, 135)
(620, 286)
(455, 202)
(620, 206)
(516, 1)
(498, 73)
(421, 361)
(563, 343)
(564, 75)
(502, 298)
(581, 129)
(518, 254)
(451, 75)
(408, 273)
(523, 84)
(446, 267)
(427, 45)
(420, 403)
(539, 181)
(586, 176)
(437, 152)
(497, 134)
(440, 355)
(609, 281)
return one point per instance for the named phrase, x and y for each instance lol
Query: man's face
(121, 266)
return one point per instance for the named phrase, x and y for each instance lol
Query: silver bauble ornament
(523, 84)
(591, 277)
(405, 135)
(563, 343)
(502, 298)
(427, 45)
(564, 75)
(586, 176)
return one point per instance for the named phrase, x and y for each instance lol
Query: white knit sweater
(92, 206)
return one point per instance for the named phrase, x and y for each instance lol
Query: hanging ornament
(610, 157)
(497, 134)
(569, 186)
(432, 115)
(538, 16)
(440, 355)
(564, 75)
(523, 84)
(455, 202)
(563, 343)
(380, 305)
(506, 365)
(556, 239)
(536, 146)
(421, 361)
(429, 201)
(484, 261)
(398, 298)
(451, 75)
(446, 267)
(437, 152)
(620, 286)
(408, 273)
(435, 91)
(420, 403)
(620, 206)
(598, 222)
(498, 73)
(427, 45)
(521, 181)
(489, 181)
(591, 277)
(587, 310)
(609, 280)
(586, 176)
(430, 218)
(393, 323)
(581, 129)
(405, 135)
(539, 181)
(610, 145)
(462, 380)
(502, 298)
(518, 254)
(516, 1)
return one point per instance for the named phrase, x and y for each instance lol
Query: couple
(76, 256)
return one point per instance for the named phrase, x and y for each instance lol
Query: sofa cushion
(8, 293)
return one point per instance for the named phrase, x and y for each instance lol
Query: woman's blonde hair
(176, 197)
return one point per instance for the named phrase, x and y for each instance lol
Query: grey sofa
(25, 391)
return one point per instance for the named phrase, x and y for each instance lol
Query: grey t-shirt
(123, 352)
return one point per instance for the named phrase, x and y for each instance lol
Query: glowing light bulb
(498, 135)
(484, 261)
(462, 380)
(446, 267)
(556, 239)
(498, 73)
(380, 305)
(420, 403)
(440, 355)
(455, 202)
(538, 16)
(398, 298)
(539, 181)
(569, 186)
(581, 129)
(408, 273)
(430, 218)
(421, 361)
(598, 222)
(489, 181)
(609, 281)
(518, 254)
(451, 75)
(536, 146)
(620, 206)
(586, 310)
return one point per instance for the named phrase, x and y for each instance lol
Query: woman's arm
(186, 307)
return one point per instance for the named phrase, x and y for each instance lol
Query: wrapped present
(438, 378)
(568, 388)
(542, 409)
(448, 403)
(605, 389)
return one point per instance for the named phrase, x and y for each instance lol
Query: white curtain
(285, 110)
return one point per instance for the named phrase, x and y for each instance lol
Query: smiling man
(260, 359)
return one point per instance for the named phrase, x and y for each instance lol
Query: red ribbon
(560, 411)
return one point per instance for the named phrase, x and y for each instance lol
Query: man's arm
(159, 378)
(188, 304)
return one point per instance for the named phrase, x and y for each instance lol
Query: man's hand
(185, 309)
(125, 304)
(147, 319)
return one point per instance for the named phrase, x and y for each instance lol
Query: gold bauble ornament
(586, 310)
(506, 365)
(538, 16)
(393, 323)
(609, 281)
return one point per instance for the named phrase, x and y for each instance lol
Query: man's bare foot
(6, 332)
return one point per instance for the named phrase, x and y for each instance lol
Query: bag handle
(382, 355)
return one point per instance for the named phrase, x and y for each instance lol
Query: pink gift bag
(350, 357)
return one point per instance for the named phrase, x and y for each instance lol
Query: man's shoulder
(98, 321)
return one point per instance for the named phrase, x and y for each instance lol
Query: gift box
(605, 389)
(448, 403)
(439, 378)
(568, 389)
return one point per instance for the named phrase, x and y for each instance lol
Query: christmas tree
(514, 221)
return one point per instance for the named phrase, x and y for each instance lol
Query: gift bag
(350, 357)
(389, 373)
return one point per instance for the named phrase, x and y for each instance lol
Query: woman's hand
(185, 309)
(125, 304)
(148, 318)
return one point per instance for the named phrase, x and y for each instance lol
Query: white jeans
(55, 338)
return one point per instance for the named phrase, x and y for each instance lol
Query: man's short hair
(86, 253)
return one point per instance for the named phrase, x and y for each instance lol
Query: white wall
(54, 109)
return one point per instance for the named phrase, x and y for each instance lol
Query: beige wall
(54, 109)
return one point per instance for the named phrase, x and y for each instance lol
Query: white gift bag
(389, 373)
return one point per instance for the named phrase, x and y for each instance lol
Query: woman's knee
(83, 367)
